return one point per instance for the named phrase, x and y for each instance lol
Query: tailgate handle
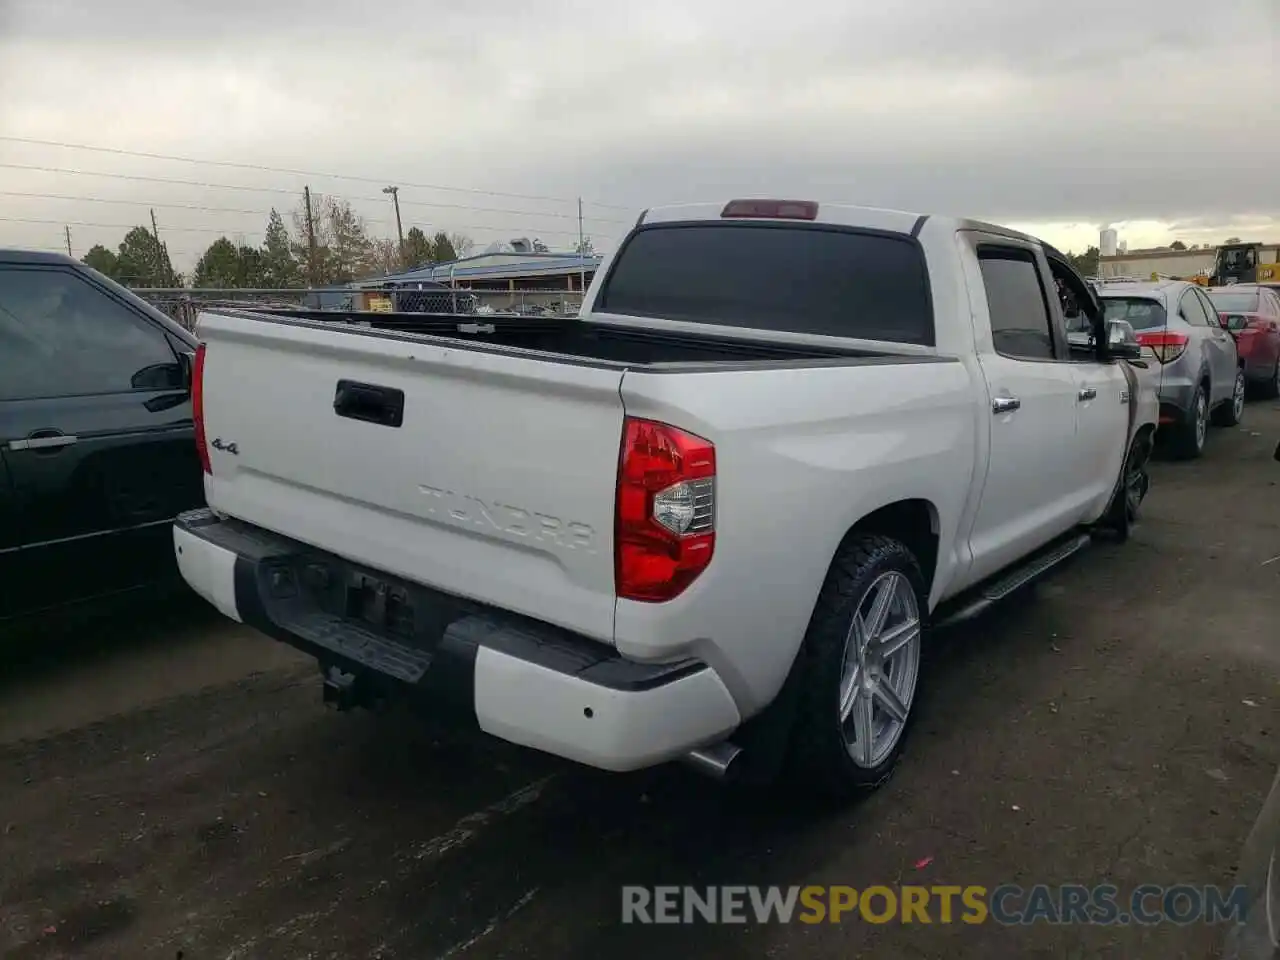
(369, 402)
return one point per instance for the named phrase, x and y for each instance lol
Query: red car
(1252, 313)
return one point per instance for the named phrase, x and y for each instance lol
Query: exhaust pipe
(717, 761)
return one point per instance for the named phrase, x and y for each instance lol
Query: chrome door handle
(43, 443)
(1086, 393)
(1005, 404)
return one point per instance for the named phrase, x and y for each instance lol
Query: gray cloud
(1030, 112)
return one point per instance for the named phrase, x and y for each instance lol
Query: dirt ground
(171, 786)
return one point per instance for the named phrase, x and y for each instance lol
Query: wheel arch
(914, 522)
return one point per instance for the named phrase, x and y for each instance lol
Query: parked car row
(114, 420)
(1212, 346)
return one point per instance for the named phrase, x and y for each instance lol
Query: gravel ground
(170, 786)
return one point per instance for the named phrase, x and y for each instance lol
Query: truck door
(1031, 492)
(95, 424)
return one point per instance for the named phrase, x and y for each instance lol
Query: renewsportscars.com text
(1008, 904)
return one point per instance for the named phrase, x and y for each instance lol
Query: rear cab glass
(1141, 313)
(811, 279)
(1232, 302)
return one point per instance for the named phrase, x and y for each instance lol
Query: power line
(134, 203)
(143, 179)
(299, 173)
(232, 186)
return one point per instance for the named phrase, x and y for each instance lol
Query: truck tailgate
(496, 484)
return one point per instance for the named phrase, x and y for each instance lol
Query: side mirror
(162, 376)
(1122, 341)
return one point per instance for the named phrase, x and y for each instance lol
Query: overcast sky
(1159, 116)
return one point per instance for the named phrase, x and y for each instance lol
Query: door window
(1020, 324)
(61, 336)
(1192, 310)
(1210, 311)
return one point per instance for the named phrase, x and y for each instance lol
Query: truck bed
(571, 337)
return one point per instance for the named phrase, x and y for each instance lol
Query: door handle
(1005, 404)
(1086, 393)
(53, 442)
(369, 402)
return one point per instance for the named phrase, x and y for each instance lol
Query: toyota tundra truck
(712, 517)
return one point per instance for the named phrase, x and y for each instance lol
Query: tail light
(665, 514)
(197, 409)
(1167, 346)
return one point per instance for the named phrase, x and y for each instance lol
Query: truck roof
(34, 256)
(835, 213)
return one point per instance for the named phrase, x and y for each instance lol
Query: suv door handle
(44, 440)
(1086, 393)
(1005, 404)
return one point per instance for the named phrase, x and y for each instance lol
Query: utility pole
(68, 232)
(582, 254)
(311, 239)
(162, 275)
(395, 198)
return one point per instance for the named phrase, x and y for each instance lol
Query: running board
(1011, 580)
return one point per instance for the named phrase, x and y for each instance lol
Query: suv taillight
(197, 408)
(1167, 346)
(665, 510)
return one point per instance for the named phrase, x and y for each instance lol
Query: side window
(1210, 311)
(60, 336)
(1020, 324)
(1191, 309)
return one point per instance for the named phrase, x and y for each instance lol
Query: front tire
(1230, 413)
(1131, 489)
(1188, 441)
(862, 660)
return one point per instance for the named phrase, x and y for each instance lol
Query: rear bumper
(523, 681)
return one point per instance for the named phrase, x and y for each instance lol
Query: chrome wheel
(1237, 396)
(880, 668)
(1202, 417)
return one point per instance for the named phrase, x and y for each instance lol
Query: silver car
(1200, 376)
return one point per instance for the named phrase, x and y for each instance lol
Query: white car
(712, 517)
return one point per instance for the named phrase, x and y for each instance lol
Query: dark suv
(97, 453)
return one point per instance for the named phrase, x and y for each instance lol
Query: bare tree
(462, 244)
(344, 250)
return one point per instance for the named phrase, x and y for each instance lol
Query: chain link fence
(184, 305)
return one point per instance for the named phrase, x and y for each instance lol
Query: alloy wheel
(880, 669)
(1202, 417)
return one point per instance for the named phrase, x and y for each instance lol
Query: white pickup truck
(709, 518)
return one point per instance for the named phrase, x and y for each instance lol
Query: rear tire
(1189, 436)
(858, 684)
(1230, 413)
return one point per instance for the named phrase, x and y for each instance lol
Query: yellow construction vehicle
(1245, 263)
